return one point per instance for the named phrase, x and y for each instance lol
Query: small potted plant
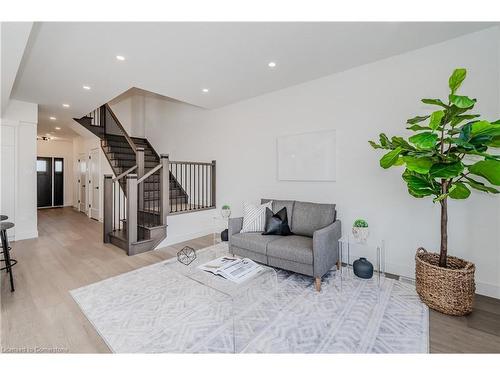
(225, 211)
(360, 230)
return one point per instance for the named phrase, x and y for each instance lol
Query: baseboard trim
(24, 236)
(487, 289)
(172, 240)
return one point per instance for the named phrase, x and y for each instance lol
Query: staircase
(146, 187)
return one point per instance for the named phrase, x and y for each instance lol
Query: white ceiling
(14, 36)
(177, 60)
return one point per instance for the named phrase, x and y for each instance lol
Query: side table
(350, 249)
(219, 224)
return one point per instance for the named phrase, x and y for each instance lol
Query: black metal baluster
(169, 186)
(158, 201)
(114, 207)
(119, 208)
(180, 187)
(188, 191)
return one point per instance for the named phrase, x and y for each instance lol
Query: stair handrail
(125, 134)
(120, 176)
(155, 169)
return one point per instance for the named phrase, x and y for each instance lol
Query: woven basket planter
(448, 290)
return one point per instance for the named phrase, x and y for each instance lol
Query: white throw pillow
(254, 217)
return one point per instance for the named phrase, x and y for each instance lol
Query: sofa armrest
(234, 226)
(326, 248)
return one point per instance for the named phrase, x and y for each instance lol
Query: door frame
(82, 158)
(94, 160)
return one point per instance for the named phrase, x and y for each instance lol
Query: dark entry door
(44, 182)
(58, 181)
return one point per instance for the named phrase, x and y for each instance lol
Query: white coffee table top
(265, 280)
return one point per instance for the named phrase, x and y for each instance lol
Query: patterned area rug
(155, 310)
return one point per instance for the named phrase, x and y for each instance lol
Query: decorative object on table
(186, 255)
(225, 211)
(434, 165)
(360, 230)
(254, 217)
(363, 268)
(224, 235)
(277, 223)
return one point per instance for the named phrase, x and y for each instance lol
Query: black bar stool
(9, 263)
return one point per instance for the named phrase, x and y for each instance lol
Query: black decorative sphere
(363, 268)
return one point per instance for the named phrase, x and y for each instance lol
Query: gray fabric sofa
(312, 250)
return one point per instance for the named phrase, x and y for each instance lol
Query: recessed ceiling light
(121, 58)
(204, 90)
(52, 118)
(85, 87)
(66, 105)
(272, 64)
(57, 128)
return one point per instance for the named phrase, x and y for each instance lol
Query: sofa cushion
(279, 204)
(293, 248)
(255, 242)
(277, 223)
(244, 253)
(254, 217)
(309, 217)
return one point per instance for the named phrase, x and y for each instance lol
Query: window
(58, 166)
(41, 165)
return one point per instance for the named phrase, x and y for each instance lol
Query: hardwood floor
(68, 254)
(41, 316)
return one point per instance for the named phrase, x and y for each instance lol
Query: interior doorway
(50, 182)
(44, 182)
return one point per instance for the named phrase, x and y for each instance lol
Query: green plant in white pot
(447, 157)
(225, 211)
(360, 230)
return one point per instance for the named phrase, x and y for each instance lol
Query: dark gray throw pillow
(277, 223)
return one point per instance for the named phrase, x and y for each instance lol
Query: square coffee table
(230, 300)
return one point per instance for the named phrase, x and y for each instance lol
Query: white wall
(130, 111)
(61, 149)
(18, 168)
(359, 103)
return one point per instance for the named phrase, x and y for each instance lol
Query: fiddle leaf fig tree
(448, 155)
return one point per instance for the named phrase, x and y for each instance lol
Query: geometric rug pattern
(155, 310)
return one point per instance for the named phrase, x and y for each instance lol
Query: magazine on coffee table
(233, 269)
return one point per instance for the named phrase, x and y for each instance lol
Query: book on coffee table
(233, 269)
